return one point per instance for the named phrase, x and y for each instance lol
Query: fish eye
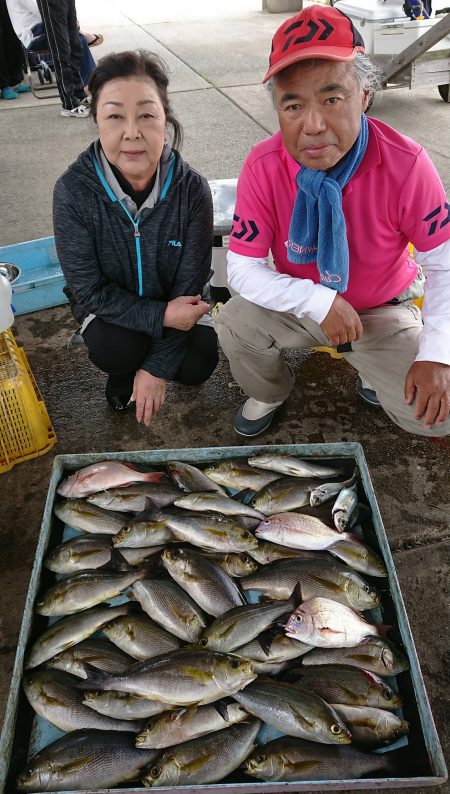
(245, 534)
(260, 758)
(155, 771)
(298, 619)
(335, 729)
(388, 693)
(234, 663)
(366, 588)
(203, 642)
(266, 522)
(246, 559)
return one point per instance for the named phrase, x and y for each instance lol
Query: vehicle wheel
(40, 74)
(444, 91)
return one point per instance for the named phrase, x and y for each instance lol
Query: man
(336, 198)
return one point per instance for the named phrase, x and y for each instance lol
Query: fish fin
(296, 598)
(150, 512)
(129, 593)
(266, 639)
(241, 496)
(383, 629)
(117, 561)
(96, 678)
(221, 707)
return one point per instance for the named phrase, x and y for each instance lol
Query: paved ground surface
(216, 59)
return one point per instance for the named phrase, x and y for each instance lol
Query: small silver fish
(78, 514)
(217, 503)
(345, 509)
(135, 497)
(189, 478)
(239, 475)
(291, 466)
(372, 727)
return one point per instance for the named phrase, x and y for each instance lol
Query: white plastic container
(6, 314)
(386, 29)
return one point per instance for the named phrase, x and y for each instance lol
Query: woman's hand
(183, 312)
(149, 394)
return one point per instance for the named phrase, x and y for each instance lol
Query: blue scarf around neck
(317, 232)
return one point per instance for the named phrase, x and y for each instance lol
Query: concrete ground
(216, 57)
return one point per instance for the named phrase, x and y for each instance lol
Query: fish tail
(154, 476)
(97, 679)
(383, 630)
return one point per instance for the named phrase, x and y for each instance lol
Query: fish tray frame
(65, 464)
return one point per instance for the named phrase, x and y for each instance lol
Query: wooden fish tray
(23, 733)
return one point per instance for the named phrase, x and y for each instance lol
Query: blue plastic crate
(41, 281)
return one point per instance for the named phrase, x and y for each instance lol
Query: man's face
(319, 105)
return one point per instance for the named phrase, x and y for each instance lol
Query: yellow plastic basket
(25, 427)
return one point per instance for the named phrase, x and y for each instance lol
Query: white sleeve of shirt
(435, 339)
(258, 283)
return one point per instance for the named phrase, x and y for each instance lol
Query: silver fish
(78, 514)
(170, 606)
(189, 478)
(207, 583)
(180, 725)
(87, 759)
(326, 624)
(143, 531)
(273, 648)
(285, 760)
(234, 564)
(212, 531)
(205, 760)
(242, 624)
(183, 677)
(291, 466)
(135, 498)
(140, 637)
(136, 557)
(358, 556)
(104, 475)
(97, 653)
(328, 490)
(123, 706)
(283, 495)
(69, 631)
(86, 589)
(217, 503)
(82, 554)
(52, 695)
(239, 475)
(345, 509)
(372, 727)
(267, 552)
(339, 683)
(317, 577)
(298, 531)
(294, 711)
(375, 654)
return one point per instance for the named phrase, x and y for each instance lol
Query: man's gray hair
(367, 74)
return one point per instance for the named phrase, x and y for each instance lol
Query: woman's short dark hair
(138, 63)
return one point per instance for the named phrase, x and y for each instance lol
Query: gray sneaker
(80, 112)
(368, 395)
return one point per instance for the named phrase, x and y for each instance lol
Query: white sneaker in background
(80, 112)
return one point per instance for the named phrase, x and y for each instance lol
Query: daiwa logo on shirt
(433, 217)
(300, 249)
(175, 243)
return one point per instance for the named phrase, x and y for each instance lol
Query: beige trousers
(252, 339)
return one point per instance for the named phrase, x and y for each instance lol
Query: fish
(372, 727)
(84, 553)
(267, 552)
(345, 510)
(328, 490)
(85, 759)
(147, 529)
(239, 475)
(124, 706)
(339, 683)
(284, 494)
(207, 583)
(140, 637)
(171, 607)
(298, 531)
(52, 695)
(208, 759)
(358, 556)
(234, 564)
(217, 503)
(290, 466)
(375, 654)
(294, 711)
(136, 497)
(136, 557)
(180, 725)
(102, 476)
(287, 760)
(97, 653)
(183, 677)
(80, 591)
(69, 631)
(212, 531)
(239, 626)
(76, 513)
(324, 623)
(191, 479)
(273, 647)
(316, 577)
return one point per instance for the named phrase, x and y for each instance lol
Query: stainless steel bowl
(10, 271)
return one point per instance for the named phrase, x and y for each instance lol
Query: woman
(133, 232)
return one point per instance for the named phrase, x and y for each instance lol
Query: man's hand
(342, 323)
(149, 393)
(183, 312)
(428, 384)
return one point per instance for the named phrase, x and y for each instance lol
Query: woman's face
(131, 124)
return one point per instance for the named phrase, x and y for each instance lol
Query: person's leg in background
(55, 16)
(87, 62)
(11, 57)
(76, 51)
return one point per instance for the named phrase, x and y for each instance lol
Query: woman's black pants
(120, 352)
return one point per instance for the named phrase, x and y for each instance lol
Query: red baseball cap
(315, 32)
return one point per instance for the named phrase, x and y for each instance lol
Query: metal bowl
(10, 271)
